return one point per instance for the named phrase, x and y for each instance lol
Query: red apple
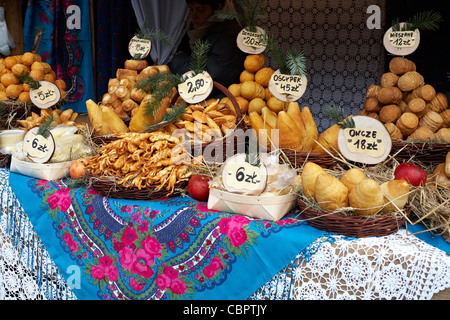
(77, 169)
(198, 187)
(415, 175)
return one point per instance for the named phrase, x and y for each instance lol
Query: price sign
(401, 43)
(365, 141)
(38, 148)
(46, 96)
(369, 142)
(287, 88)
(402, 39)
(138, 47)
(251, 42)
(196, 89)
(239, 176)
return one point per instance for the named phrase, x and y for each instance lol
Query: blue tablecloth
(171, 248)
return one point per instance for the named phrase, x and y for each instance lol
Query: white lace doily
(27, 271)
(398, 266)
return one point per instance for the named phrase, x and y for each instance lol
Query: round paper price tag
(401, 43)
(286, 87)
(46, 96)
(197, 88)
(251, 42)
(38, 148)
(239, 176)
(369, 142)
(139, 48)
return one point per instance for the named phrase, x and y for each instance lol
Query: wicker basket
(102, 139)
(5, 160)
(105, 139)
(354, 226)
(20, 111)
(425, 152)
(299, 158)
(110, 189)
(234, 142)
(16, 111)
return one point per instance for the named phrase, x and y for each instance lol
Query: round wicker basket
(354, 226)
(425, 152)
(111, 189)
(229, 145)
(5, 160)
(299, 158)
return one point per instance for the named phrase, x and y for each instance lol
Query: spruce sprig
(295, 62)
(27, 79)
(178, 109)
(45, 127)
(337, 114)
(252, 156)
(290, 62)
(160, 85)
(199, 56)
(152, 35)
(427, 20)
(160, 81)
(248, 16)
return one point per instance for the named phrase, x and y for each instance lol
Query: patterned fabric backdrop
(66, 49)
(344, 57)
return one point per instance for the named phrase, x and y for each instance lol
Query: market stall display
(15, 89)
(412, 111)
(164, 193)
(354, 202)
(138, 166)
(297, 131)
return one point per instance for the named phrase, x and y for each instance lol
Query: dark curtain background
(115, 25)
(432, 56)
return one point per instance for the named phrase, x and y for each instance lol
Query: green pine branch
(45, 127)
(144, 33)
(27, 79)
(251, 12)
(427, 20)
(160, 86)
(199, 56)
(178, 109)
(290, 62)
(337, 115)
(295, 62)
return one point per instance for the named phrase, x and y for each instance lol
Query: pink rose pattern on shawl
(138, 260)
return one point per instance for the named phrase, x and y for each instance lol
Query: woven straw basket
(354, 226)
(111, 189)
(299, 158)
(424, 152)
